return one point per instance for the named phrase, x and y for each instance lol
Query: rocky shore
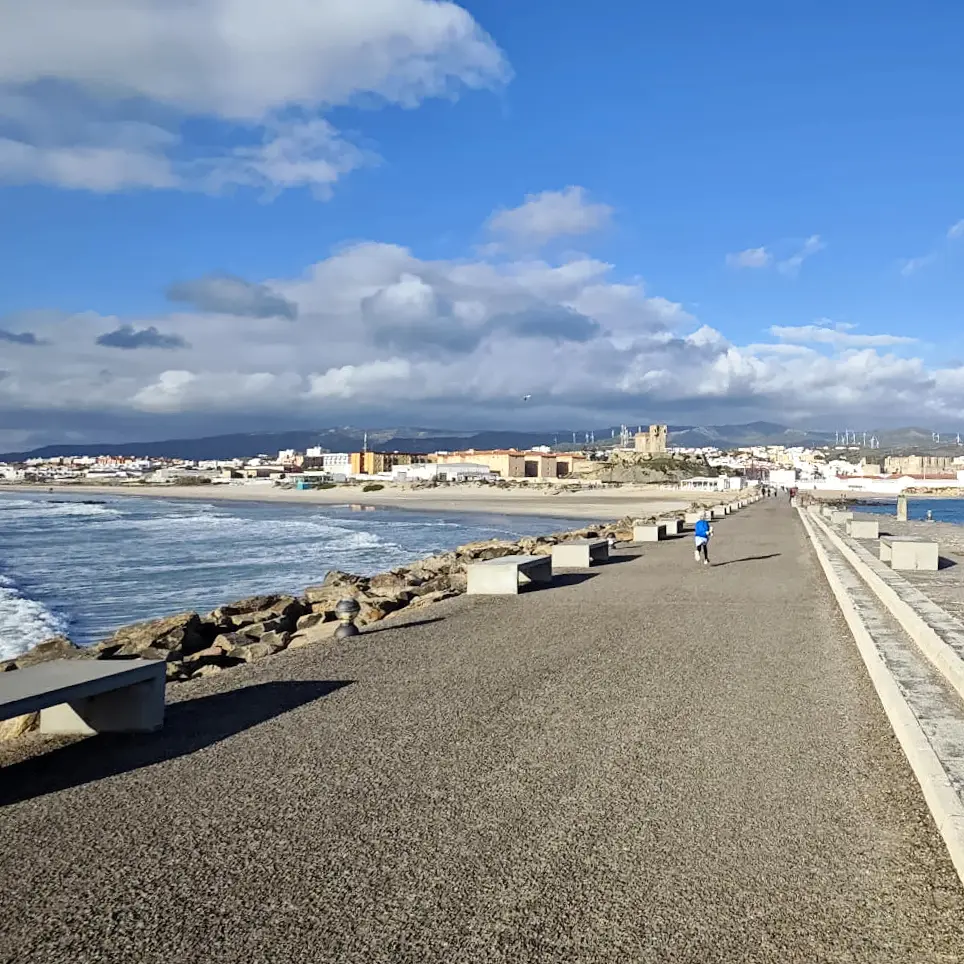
(195, 645)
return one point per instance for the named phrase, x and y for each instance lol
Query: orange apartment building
(512, 464)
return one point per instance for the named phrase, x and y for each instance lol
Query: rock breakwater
(195, 645)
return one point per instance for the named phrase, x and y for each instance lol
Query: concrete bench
(863, 529)
(501, 577)
(691, 518)
(80, 696)
(839, 518)
(906, 552)
(649, 533)
(671, 526)
(579, 553)
(717, 512)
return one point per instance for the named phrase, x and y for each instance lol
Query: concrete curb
(942, 799)
(947, 662)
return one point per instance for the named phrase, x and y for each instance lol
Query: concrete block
(579, 553)
(649, 533)
(691, 518)
(88, 696)
(839, 518)
(863, 528)
(717, 512)
(502, 577)
(914, 556)
(672, 526)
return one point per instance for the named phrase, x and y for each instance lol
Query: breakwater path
(652, 761)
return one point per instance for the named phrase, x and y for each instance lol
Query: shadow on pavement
(188, 726)
(560, 581)
(944, 563)
(365, 631)
(730, 562)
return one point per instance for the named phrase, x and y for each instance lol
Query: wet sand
(595, 504)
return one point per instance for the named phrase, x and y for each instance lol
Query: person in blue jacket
(702, 533)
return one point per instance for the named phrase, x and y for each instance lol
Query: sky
(227, 215)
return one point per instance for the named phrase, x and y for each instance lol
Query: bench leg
(493, 582)
(133, 709)
(541, 574)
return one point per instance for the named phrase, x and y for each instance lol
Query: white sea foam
(30, 508)
(23, 622)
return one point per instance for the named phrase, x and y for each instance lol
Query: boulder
(336, 577)
(228, 641)
(487, 549)
(313, 619)
(435, 596)
(18, 725)
(208, 669)
(276, 640)
(57, 647)
(257, 630)
(183, 633)
(153, 652)
(388, 583)
(314, 634)
(252, 651)
(433, 565)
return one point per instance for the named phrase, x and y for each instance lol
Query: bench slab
(907, 553)
(580, 553)
(501, 577)
(649, 533)
(80, 696)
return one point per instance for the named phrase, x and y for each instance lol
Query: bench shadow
(559, 581)
(730, 562)
(944, 563)
(398, 624)
(616, 559)
(189, 726)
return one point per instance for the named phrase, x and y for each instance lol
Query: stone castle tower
(652, 442)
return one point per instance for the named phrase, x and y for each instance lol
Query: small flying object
(526, 398)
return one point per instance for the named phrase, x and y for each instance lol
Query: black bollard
(347, 610)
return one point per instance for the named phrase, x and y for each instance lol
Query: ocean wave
(29, 508)
(23, 622)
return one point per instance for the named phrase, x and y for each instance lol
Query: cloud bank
(374, 333)
(95, 96)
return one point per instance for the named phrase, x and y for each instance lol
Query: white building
(335, 462)
(314, 453)
(444, 472)
(785, 478)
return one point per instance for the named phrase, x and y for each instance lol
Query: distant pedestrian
(702, 534)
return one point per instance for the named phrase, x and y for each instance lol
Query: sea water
(85, 568)
(942, 510)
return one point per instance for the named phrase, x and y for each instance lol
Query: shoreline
(590, 504)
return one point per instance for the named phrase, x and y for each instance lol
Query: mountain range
(429, 440)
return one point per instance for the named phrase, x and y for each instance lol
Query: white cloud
(373, 332)
(791, 266)
(839, 336)
(72, 76)
(549, 215)
(750, 258)
(765, 257)
(912, 265)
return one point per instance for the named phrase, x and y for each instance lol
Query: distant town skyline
(475, 215)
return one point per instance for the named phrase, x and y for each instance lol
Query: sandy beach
(594, 504)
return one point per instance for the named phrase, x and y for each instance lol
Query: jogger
(702, 533)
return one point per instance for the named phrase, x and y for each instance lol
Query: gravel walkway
(659, 762)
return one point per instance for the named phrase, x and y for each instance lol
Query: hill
(407, 439)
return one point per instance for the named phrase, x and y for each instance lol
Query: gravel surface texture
(651, 762)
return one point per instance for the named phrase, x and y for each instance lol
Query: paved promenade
(652, 763)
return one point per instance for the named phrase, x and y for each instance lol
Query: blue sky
(770, 194)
